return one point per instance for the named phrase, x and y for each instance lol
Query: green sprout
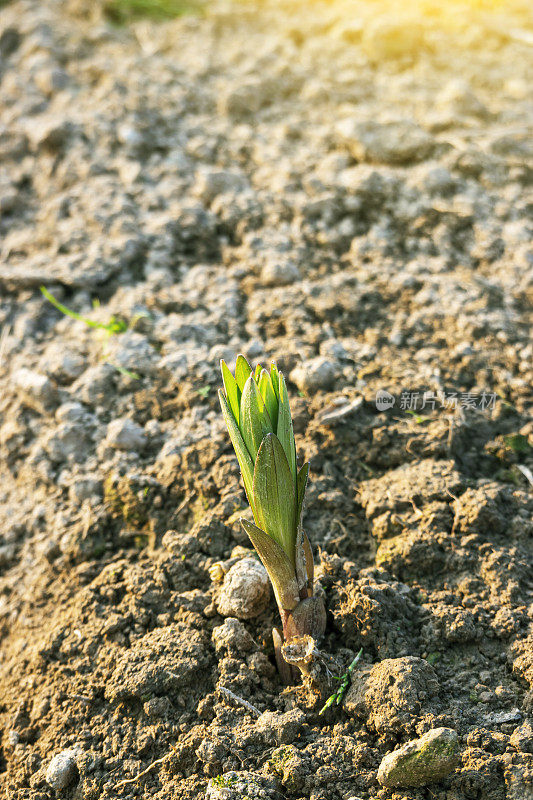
(256, 410)
(123, 11)
(336, 697)
(112, 328)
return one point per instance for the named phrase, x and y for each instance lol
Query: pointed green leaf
(242, 371)
(275, 494)
(274, 377)
(268, 395)
(276, 563)
(301, 483)
(257, 373)
(243, 456)
(284, 431)
(254, 420)
(233, 393)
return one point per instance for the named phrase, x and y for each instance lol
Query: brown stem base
(308, 619)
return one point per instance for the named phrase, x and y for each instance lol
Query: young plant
(256, 410)
(337, 696)
(114, 327)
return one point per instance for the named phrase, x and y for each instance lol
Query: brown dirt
(422, 526)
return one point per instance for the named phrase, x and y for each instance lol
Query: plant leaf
(301, 483)
(275, 495)
(254, 420)
(243, 456)
(257, 373)
(284, 432)
(233, 393)
(274, 377)
(269, 396)
(277, 564)
(242, 371)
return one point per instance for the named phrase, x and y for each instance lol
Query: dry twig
(236, 699)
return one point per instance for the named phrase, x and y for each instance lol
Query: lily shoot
(256, 410)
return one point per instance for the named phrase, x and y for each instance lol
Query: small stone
(243, 100)
(232, 636)
(279, 273)
(35, 387)
(439, 180)
(212, 184)
(95, 385)
(86, 488)
(62, 770)
(62, 364)
(125, 434)
(157, 707)
(129, 136)
(13, 738)
(462, 349)
(70, 412)
(458, 99)
(246, 590)
(339, 410)
(389, 38)
(522, 738)
(316, 373)
(393, 693)
(397, 142)
(423, 761)
(238, 785)
(67, 442)
(49, 133)
(10, 40)
(281, 728)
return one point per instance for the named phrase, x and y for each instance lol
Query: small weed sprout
(336, 697)
(256, 410)
(114, 327)
(123, 11)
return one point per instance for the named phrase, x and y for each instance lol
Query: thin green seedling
(417, 417)
(121, 12)
(114, 327)
(336, 697)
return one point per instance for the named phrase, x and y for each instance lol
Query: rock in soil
(62, 770)
(245, 591)
(423, 761)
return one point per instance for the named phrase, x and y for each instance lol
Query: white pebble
(62, 770)
(125, 434)
(245, 591)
